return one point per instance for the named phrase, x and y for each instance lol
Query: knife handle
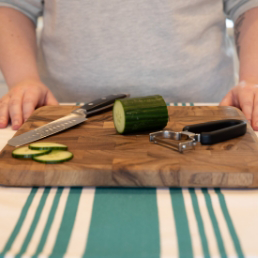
(100, 104)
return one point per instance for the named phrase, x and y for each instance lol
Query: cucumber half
(140, 114)
(55, 156)
(26, 153)
(47, 146)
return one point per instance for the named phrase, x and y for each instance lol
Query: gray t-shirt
(178, 49)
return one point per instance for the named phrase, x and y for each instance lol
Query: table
(131, 222)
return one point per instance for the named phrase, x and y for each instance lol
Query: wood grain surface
(104, 158)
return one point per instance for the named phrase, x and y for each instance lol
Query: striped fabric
(128, 222)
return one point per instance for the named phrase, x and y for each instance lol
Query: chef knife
(77, 116)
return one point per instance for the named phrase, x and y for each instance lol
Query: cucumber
(26, 153)
(140, 114)
(56, 156)
(47, 146)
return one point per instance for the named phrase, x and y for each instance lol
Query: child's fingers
(4, 113)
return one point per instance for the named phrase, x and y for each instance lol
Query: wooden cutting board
(104, 158)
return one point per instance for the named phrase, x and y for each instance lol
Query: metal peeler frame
(178, 141)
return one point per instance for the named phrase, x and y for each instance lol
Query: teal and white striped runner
(116, 222)
(128, 222)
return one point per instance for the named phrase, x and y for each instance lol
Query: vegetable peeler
(205, 133)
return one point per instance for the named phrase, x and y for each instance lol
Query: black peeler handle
(218, 131)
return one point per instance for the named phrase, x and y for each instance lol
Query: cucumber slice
(140, 114)
(56, 156)
(47, 146)
(26, 153)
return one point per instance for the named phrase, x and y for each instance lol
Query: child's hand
(19, 103)
(245, 97)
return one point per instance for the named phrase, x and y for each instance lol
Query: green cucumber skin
(144, 114)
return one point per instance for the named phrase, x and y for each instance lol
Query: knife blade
(77, 116)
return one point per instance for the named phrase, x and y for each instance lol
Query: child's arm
(18, 48)
(245, 94)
